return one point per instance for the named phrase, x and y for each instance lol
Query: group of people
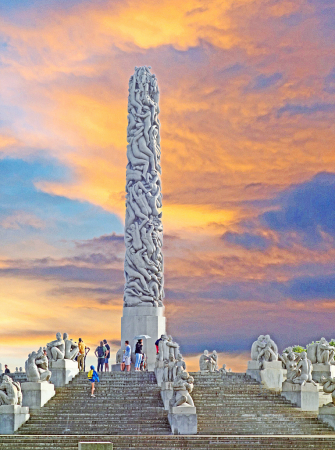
(103, 353)
(140, 357)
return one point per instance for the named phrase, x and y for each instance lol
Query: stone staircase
(125, 403)
(233, 413)
(236, 404)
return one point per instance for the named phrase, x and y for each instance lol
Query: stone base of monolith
(35, 394)
(305, 397)
(183, 419)
(63, 371)
(12, 417)
(146, 320)
(322, 370)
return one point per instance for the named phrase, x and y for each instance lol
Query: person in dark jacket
(93, 377)
(138, 354)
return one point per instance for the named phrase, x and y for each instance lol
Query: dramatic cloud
(247, 112)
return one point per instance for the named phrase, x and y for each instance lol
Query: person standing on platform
(126, 358)
(81, 354)
(6, 369)
(139, 355)
(93, 377)
(108, 354)
(100, 353)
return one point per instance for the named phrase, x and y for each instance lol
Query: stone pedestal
(327, 415)
(159, 372)
(253, 371)
(183, 420)
(322, 370)
(12, 417)
(166, 393)
(35, 395)
(324, 398)
(272, 375)
(305, 397)
(147, 320)
(63, 371)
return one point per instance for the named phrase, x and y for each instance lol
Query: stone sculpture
(163, 349)
(215, 358)
(206, 362)
(328, 384)
(304, 371)
(264, 349)
(10, 392)
(56, 349)
(173, 347)
(119, 356)
(36, 367)
(182, 388)
(321, 352)
(169, 369)
(180, 365)
(143, 265)
(71, 348)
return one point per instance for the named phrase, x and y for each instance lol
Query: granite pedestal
(305, 397)
(166, 393)
(63, 371)
(12, 417)
(322, 370)
(183, 420)
(35, 395)
(146, 320)
(272, 375)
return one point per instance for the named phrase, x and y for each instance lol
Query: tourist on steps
(126, 358)
(139, 355)
(100, 353)
(6, 369)
(108, 354)
(93, 377)
(81, 355)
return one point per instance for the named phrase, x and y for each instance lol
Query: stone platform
(143, 320)
(35, 395)
(12, 417)
(63, 371)
(305, 397)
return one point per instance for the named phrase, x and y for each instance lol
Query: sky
(247, 101)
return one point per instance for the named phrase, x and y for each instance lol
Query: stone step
(147, 442)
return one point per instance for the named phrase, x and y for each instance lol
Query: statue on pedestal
(71, 348)
(206, 362)
(180, 365)
(182, 388)
(56, 349)
(321, 352)
(304, 371)
(169, 369)
(328, 384)
(264, 349)
(173, 347)
(36, 367)
(10, 392)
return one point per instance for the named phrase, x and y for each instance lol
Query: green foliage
(299, 349)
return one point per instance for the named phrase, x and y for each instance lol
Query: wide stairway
(234, 412)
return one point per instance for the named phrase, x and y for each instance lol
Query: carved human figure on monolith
(163, 349)
(173, 347)
(169, 369)
(180, 365)
(264, 350)
(10, 392)
(143, 265)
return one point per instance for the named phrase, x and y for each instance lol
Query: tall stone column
(143, 310)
